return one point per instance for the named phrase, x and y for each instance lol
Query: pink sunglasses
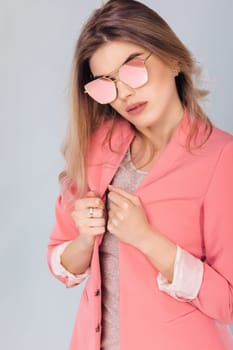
(103, 89)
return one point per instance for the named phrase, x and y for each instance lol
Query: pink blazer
(188, 196)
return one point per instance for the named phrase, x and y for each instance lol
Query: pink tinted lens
(101, 90)
(134, 73)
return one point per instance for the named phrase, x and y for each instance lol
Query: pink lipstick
(136, 108)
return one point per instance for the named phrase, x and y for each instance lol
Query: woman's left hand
(126, 217)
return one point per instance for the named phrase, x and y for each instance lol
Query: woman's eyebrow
(129, 58)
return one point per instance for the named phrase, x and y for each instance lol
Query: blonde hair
(133, 22)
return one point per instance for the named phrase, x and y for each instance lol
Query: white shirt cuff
(59, 269)
(187, 278)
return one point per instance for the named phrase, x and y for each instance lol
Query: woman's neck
(149, 143)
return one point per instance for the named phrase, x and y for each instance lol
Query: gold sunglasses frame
(115, 80)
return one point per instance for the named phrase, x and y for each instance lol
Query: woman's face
(153, 103)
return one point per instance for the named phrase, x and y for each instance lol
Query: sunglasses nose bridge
(123, 89)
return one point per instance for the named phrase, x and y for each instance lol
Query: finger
(118, 200)
(94, 230)
(109, 226)
(96, 213)
(86, 222)
(112, 206)
(92, 194)
(84, 203)
(132, 198)
(111, 214)
(112, 225)
(95, 222)
(85, 213)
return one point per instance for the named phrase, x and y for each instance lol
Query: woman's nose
(124, 90)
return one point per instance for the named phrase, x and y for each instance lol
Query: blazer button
(97, 292)
(97, 329)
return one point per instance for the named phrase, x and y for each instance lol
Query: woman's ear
(175, 67)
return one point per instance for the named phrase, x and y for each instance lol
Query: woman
(145, 210)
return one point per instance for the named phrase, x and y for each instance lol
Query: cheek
(160, 87)
(116, 105)
(162, 84)
(161, 77)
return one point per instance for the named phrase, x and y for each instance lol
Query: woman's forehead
(111, 55)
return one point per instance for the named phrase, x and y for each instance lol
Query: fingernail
(94, 191)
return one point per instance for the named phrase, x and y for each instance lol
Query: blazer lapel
(103, 160)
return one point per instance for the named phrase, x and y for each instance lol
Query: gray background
(37, 43)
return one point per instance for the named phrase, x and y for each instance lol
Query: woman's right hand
(89, 217)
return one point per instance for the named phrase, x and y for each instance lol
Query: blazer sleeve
(215, 297)
(63, 231)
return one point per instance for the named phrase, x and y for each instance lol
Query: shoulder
(220, 137)
(210, 150)
(220, 142)
(217, 154)
(209, 139)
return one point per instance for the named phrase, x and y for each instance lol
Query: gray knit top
(128, 178)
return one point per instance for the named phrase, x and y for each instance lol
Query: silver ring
(91, 212)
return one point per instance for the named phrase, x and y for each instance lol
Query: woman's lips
(136, 108)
